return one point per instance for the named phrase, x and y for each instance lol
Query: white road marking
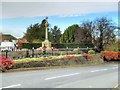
(11, 86)
(94, 71)
(114, 67)
(99, 70)
(62, 76)
(104, 69)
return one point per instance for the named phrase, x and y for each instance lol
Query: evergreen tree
(36, 32)
(55, 34)
(69, 34)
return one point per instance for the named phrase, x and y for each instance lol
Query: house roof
(23, 40)
(8, 37)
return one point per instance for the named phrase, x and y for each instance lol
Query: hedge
(64, 45)
(30, 45)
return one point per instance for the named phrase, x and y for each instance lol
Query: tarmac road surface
(98, 76)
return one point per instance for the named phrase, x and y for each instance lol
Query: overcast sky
(60, 0)
(30, 11)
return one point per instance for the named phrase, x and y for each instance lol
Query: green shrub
(71, 45)
(63, 45)
(91, 52)
(30, 45)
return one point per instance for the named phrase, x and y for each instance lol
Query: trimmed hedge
(64, 45)
(30, 45)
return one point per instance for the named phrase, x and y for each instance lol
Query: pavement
(98, 76)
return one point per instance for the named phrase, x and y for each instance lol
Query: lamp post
(6, 53)
(32, 51)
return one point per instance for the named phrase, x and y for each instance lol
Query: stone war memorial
(46, 43)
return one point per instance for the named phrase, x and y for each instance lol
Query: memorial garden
(78, 45)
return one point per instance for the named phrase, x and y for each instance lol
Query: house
(6, 45)
(7, 42)
(7, 37)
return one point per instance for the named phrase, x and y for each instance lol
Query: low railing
(38, 53)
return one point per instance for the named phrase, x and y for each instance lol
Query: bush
(5, 63)
(91, 52)
(87, 56)
(110, 55)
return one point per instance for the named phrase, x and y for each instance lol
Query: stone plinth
(47, 44)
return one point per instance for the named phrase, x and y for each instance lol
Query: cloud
(32, 9)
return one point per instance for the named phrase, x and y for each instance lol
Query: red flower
(115, 55)
(86, 55)
(6, 62)
(70, 56)
(110, 55)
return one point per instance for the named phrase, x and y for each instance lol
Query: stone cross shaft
(46, 27)
(46, 42)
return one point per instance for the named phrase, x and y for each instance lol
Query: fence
(38, 53)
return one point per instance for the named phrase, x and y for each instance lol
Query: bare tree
(105, 32)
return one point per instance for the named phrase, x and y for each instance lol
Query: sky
(17, 16)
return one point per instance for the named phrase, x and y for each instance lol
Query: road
(99, 76)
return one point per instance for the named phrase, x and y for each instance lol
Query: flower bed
(5, 63)
(87, 56)
(55, 61)
(110, 55)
